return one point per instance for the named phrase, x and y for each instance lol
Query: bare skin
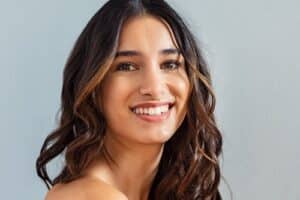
(135, 171)
(135, 145)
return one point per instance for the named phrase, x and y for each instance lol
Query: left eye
(171, 65)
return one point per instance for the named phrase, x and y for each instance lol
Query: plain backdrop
(252, 48)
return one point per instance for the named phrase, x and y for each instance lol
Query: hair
(189, 167)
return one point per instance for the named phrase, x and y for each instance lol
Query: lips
(153, 118)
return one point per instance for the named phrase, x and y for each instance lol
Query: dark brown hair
(189, 167)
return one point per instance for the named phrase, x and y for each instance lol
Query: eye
(171, 65)
(126, 67)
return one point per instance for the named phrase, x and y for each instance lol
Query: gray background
(251, 46)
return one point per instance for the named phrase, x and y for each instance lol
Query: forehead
(147, 34)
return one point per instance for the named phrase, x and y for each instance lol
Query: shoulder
(85, 189)
(66, 191)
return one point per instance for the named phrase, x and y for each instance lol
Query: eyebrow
(130, 53)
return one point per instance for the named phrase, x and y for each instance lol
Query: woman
(137, 108)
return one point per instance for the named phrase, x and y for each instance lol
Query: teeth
(152, 110)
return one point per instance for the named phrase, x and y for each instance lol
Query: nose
(153, 82)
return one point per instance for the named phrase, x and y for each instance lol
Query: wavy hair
(189, 167)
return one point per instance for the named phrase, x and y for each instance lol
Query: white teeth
(158, 110)
(152, 110)
(140, 110)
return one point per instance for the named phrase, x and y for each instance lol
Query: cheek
(115, 93)
(181, 90)
(181, 87)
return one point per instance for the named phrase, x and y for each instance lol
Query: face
(144, 94)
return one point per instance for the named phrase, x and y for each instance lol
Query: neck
(133, 167)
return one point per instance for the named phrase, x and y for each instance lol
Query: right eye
(126, 67)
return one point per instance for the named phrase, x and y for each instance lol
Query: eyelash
(122, 65)
(173, 62)
(127, 65)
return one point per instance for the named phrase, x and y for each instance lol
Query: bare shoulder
(66, 191)
(85, 189)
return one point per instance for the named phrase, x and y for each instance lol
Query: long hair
(189, 167)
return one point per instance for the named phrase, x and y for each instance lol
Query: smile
(153, 114)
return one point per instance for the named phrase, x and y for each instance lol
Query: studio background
(252, 48)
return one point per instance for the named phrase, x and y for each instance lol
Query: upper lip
(152, 104)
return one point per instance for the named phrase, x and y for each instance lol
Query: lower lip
(154, 118)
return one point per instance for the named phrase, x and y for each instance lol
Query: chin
(156, 138)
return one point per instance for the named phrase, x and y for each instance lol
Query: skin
(136, 145)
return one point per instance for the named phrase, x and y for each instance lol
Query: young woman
(137, 109)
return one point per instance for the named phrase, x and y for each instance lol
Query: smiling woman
(137, 108)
